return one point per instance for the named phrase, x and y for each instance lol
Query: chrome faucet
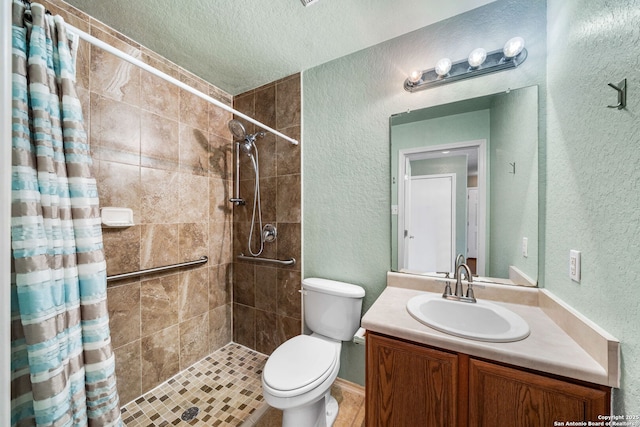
(459, 261)
(458, 294)
(467, 271)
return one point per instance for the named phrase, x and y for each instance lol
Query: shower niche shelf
(116, 217)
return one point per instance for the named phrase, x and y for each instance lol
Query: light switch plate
(574, 265)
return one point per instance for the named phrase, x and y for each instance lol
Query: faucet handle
(447, 289)
(470, 291)
(470, 296)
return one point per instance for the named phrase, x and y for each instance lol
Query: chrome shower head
(244, 140)
(240, 133)
(237, 129)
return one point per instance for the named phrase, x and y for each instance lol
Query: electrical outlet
(394, 209)
(574, 265)
(525, 247)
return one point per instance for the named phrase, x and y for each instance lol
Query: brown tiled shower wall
(167, 155)
(266, 301)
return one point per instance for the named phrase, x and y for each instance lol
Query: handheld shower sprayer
(237, 129)
(246, 143)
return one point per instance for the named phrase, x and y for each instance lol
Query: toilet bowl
(298, 375)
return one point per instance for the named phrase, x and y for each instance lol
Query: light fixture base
(461, 70)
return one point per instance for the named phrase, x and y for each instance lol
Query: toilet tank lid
(333, 287)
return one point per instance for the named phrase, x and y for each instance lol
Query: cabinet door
(509, 397)
(409, 385)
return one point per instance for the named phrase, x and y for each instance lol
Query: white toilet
(298, 375)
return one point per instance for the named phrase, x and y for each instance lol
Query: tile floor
(225, 388)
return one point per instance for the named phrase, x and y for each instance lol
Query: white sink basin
(482, 321)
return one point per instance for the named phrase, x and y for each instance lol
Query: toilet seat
(299, 365)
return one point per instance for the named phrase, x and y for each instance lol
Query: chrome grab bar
(202, 260)
(291, 261)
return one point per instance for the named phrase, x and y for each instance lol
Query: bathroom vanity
(416, 375)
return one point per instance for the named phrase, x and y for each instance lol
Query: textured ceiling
(239, 45)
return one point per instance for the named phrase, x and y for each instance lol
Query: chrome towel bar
(202, 260)
(291, 261)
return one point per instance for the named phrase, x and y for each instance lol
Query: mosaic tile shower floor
(225, 387)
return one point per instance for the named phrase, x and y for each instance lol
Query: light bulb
(443, 66)
(477, 57)
(415, 76)
(513, 47)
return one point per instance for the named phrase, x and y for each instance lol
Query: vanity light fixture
(442, 67)
(415, 76)
(477, 57)
(478, 63)
(513, 47)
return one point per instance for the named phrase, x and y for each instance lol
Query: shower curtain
(63, 367)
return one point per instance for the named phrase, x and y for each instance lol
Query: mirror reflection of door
(430, 234)
(427, 242)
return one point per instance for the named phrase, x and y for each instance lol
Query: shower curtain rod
(135, 61)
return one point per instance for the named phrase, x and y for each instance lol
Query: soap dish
(116, 217)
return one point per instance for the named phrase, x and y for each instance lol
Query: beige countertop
(561, 341)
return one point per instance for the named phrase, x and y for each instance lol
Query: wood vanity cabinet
(410, 384)
(502, 395)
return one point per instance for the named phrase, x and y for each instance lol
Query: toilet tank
(332, 308)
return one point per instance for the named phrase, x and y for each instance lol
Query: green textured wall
(514, 196)
(593, 178)
(589, 164)
(346, 108)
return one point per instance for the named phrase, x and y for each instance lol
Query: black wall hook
(622, 94)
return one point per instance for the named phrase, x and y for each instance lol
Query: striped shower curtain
(63, 367)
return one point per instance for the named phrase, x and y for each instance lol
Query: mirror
(464, 180)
